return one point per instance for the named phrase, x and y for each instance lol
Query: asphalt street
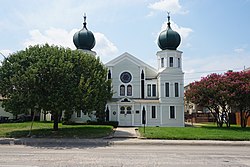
(125, 155)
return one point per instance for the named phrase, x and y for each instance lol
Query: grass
(203, 132)
(44, 130)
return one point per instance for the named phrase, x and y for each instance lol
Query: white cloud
(51, 36)
(239, 50)
(183, 31)
(104, 47)
(172, 6)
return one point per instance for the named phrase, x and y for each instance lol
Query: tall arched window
(122, 90)
(129, 90)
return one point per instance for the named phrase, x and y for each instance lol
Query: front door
(125, 116)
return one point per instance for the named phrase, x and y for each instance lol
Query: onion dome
(169, 39)
(84, 39)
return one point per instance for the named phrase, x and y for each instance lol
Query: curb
(115, 142)
(54, 142)
(149, 142)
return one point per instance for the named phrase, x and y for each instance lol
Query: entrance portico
(126, 112)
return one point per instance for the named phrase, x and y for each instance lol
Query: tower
(84, 39)
(170, 75)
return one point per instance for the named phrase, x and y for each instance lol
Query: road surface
(124, 156)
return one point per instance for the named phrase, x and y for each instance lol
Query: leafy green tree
(54, 79)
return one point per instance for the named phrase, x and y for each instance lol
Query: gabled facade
(142, 94)
(137, 86)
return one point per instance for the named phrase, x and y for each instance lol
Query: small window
(167, 89)
(142, 74)
(149, 90)
(154, 90)
(171, 61)
(122, 110)
(122, 90)
(129, 90)
(137, 112)
(153, 112)
(176, 89)
(172, 112)
(179, 62)
(129, 112)
(162, 62)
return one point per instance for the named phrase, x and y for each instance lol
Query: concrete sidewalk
(121, 136)
(125, 132)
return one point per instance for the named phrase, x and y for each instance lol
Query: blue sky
(215, 33)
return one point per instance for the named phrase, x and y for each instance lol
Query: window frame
(171, 61)
(176, 89)
(162, 62)
(120, 90)
(131, 93)
(179, 62)
(172, 112)
(167, 89)
(149, 93)
(153, 112)
(154, 94)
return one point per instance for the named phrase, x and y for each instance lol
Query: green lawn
(206, 132)
(44, 130)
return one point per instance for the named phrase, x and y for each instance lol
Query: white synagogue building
(142, 92)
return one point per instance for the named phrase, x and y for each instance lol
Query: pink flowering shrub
(221, 93)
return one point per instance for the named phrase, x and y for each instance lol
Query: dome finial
(84, 23)
(168, 19)
(84, 39)
(169, 39)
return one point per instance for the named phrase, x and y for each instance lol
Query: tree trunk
(242, 122)
(44, 115)
(33, 118)
(246, 116)
(55, 126)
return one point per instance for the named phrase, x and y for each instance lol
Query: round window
(126, 77)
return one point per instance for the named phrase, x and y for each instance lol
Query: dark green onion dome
(169, 39)
(84, 39)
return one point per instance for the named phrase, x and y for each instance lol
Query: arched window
(129, 90)
(122, 90)
(109, 74)
(162, 62)
(179, 62)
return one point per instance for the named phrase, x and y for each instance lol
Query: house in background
(195, 113)
(4, 116)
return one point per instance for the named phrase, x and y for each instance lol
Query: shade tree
(54, 79)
